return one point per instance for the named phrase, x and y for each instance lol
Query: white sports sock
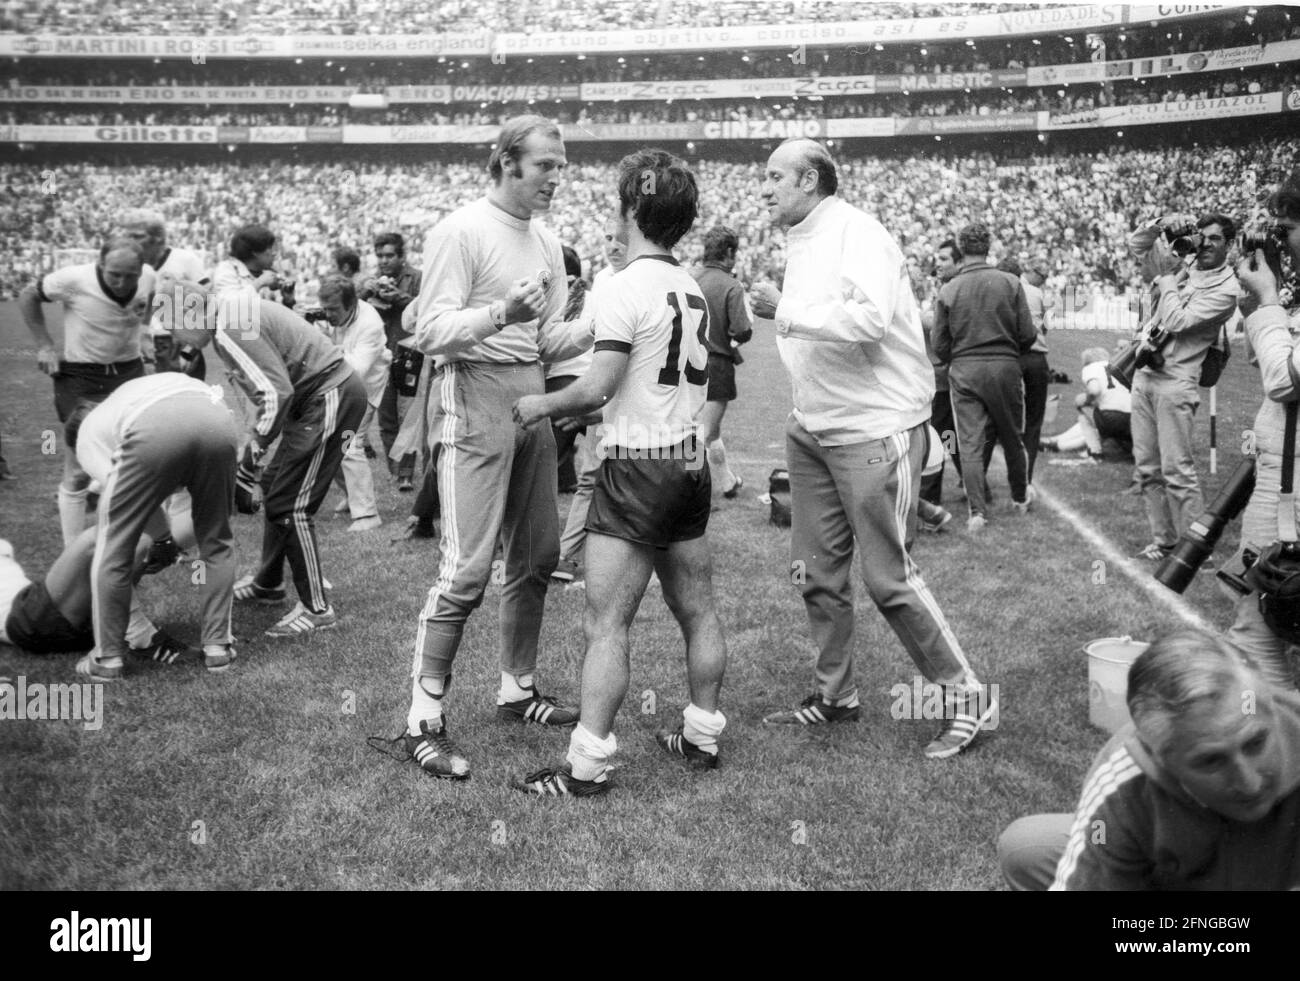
(717, 454)
(426, 702)
(72, 513)
(701, 728)
(139, 629)
(589, 754)
(514, 687)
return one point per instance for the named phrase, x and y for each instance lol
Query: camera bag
(1216, 359)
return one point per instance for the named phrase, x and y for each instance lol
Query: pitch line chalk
(1139, 574)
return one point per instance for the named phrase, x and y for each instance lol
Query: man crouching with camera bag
(1268, 615)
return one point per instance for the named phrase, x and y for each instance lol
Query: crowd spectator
(1073, 211)
(279, 17)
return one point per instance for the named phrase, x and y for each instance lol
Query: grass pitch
(261, 778)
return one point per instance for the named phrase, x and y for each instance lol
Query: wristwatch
(497, 311)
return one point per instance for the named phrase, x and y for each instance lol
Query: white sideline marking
(1139, 574)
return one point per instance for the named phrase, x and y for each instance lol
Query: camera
(1265, 234)
(1180, 566)
(1184, 238)
(313, 315)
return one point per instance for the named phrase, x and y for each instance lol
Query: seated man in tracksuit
(308, 397)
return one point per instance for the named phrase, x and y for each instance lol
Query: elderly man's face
(784, 192)
(1228, 755)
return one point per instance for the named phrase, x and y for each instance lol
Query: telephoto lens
(1181, 565)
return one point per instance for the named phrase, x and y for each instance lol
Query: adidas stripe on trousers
(868, 492)
(180, 441)
(295, 484)
(496, 482)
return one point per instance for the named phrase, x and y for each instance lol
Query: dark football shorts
(722, 379)
(652, 501)
(79, 384)
(36, 625)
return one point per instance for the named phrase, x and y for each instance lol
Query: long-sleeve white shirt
(365, 346)
(849, 330)
(471, 259)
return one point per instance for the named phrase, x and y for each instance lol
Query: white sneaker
(368, 523)
(975, 523)
(301, 620)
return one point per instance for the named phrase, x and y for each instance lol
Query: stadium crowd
(1070, 211)
(986, 54)
(943, 103)
(411, 17)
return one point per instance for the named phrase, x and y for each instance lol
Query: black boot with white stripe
(541, 709)
(816, 711)
(436, 752)
(559, 781)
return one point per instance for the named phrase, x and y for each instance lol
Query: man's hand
(525, 301)
(1257, 280)
(529, 410)
(1162, 258)
(246, 499)
(764, 298)
(47, 361)
(570, 424)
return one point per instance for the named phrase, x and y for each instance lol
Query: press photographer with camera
(1268, 616)
(1189, 308)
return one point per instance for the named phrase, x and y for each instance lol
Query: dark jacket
(728, 315)
(982, 313)
(408, 284)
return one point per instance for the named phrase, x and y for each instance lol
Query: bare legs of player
(617, 574)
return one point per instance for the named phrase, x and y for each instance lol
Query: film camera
(1266, 235)
(1183, 236)
(313, 315)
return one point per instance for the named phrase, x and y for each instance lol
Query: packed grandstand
(1059, 126)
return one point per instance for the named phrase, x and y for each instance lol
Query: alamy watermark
(82, 703)
(626, 440)
(929, 700)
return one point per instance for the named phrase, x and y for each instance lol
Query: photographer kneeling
(1190, 309)
(1276, 350)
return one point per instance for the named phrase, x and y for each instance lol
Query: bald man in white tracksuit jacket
(849, 333)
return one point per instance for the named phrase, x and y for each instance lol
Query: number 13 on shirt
(694, 359)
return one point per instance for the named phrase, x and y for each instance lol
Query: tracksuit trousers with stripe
(497, 482)
(180, 441)
(295, 484)
(868, 492)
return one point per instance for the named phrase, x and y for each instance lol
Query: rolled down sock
(701, 729)
(589, 754)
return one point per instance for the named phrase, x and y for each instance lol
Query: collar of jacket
(808, 227)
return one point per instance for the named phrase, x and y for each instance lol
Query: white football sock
(139, 629)
(72, 513)
(514, 687)
(426, 702)
(589, 754)
(701, 729)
